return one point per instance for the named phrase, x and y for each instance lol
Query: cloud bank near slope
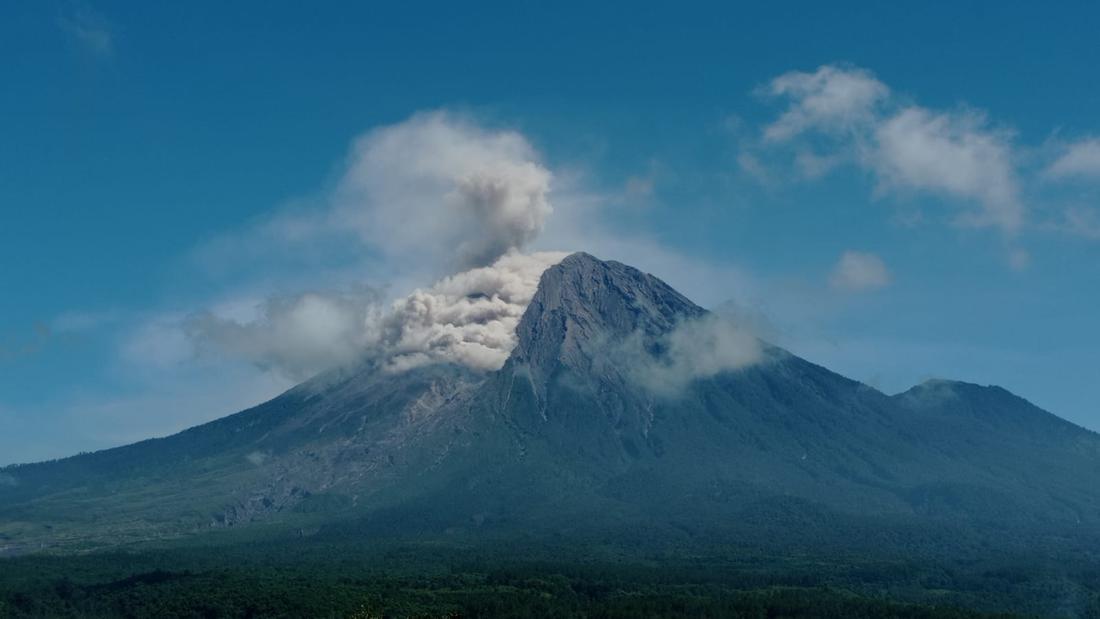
(698, 348)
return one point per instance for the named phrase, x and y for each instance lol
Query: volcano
(602, 419)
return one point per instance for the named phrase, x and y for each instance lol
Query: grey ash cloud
(434, 190)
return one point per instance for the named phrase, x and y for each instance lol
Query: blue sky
(897, 193)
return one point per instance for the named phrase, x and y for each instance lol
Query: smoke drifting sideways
(295, 336)
(435, 190)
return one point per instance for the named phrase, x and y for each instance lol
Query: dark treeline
(345, 579)
(272, 593)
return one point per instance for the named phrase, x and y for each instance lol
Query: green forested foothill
(345, 579)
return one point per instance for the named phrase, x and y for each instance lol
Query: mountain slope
(593, 422)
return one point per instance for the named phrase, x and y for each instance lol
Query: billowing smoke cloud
(440, 187)
(297, 336)
(469, 318)
(695, 349)
(436, 191)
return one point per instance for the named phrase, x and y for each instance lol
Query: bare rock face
(583, 304)
(569, 435)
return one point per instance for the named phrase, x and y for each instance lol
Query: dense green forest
(43, 591)
(344, 578)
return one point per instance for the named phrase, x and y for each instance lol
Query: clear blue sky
(963, 187)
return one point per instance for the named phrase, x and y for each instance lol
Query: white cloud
(857, 271)
(695, 349)
(710, 345)
(1079, 160)
(953, 154)
(833, 99)
(956, 155)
